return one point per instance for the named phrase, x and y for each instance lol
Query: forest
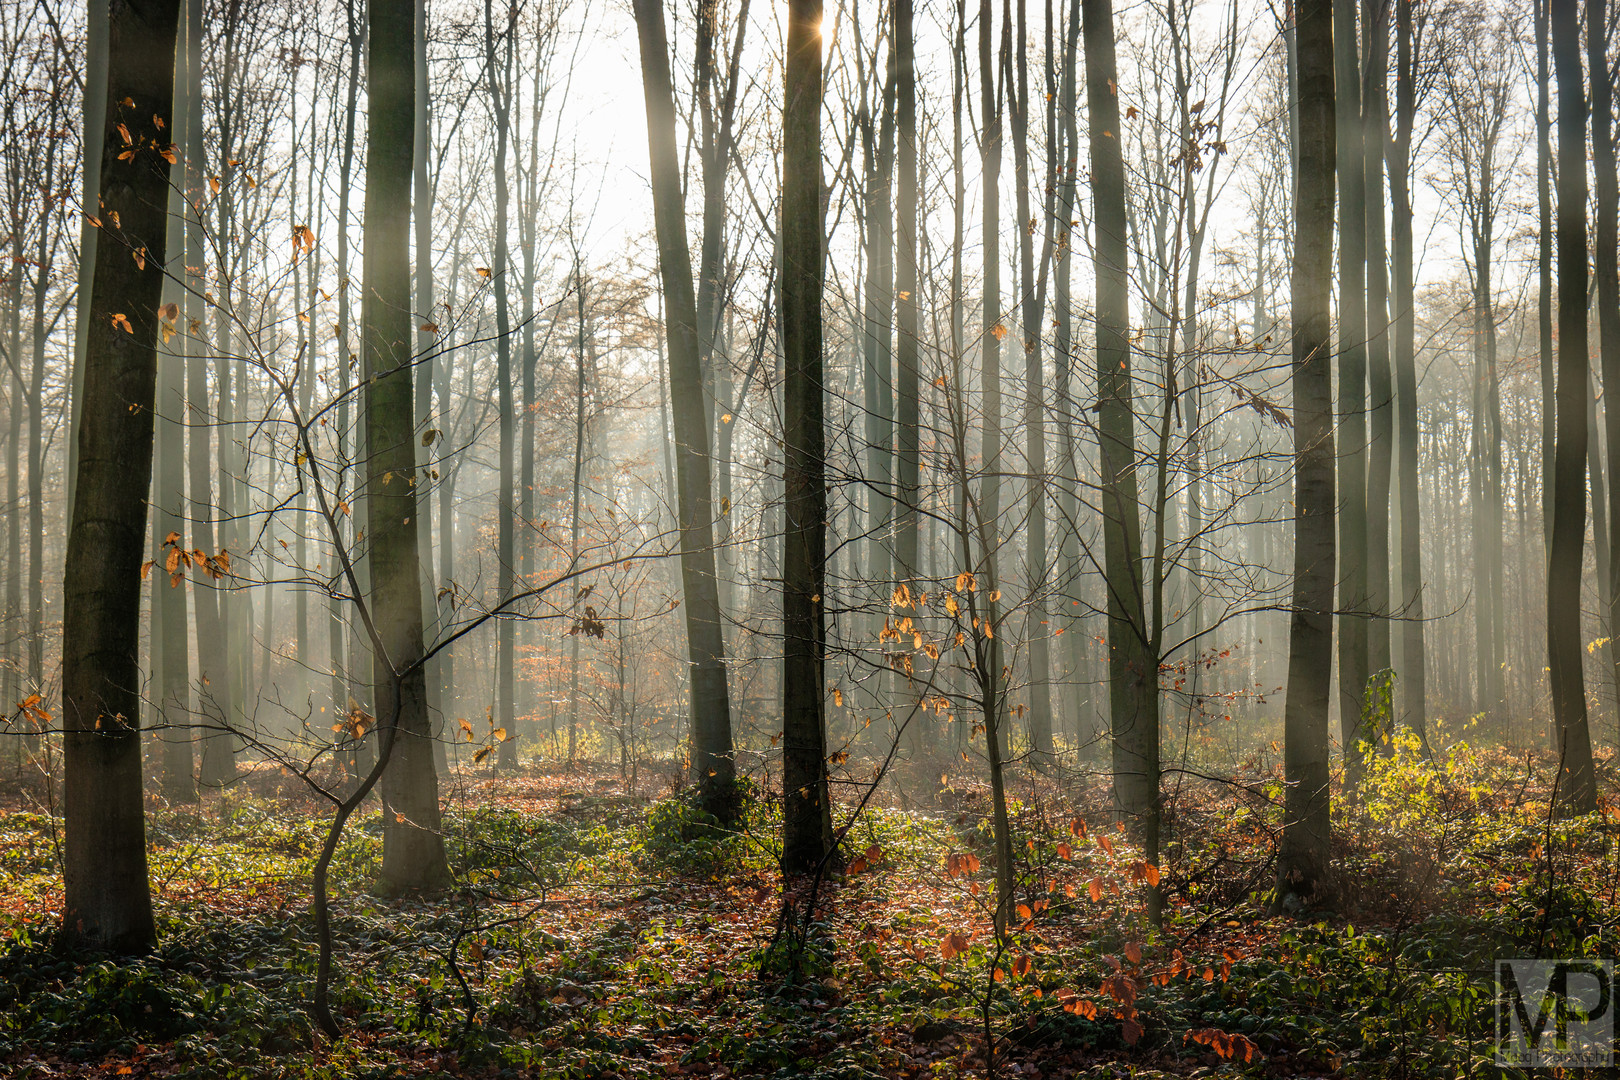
(843, 539)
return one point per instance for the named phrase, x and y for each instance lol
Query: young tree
(1302, 857)
(108, 900)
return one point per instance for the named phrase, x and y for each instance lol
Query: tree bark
(413, 845)
(1606, 264)
(1380, 384)
(1133, 677)
(499, 66)
(1303, 855)
(1576, 782)
(1352, 478)
(711, 708)
(108, 902)
(1413, 661)
(807, 810)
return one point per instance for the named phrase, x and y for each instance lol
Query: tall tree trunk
(878, 349)
(1413, 661)
(807, 810)
(108, 902)
(1606, 264)
(1063, 393)
(1577, 783)
(427, 358)
(1133, 677)
(711, 708)
(991, 332)
(500, 93)
(908, 326)
(1576, 780)
(1032, 319)
(1352, 479)
(1544, 265)
(1303, 855)
(413, 845)
(173, 673)
(1380, 384)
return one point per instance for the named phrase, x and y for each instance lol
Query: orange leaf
(1096, 891)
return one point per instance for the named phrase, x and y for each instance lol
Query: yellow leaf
(999, 330)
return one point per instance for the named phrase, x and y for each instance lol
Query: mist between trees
(891, 400)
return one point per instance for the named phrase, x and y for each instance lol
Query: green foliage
(680, 837)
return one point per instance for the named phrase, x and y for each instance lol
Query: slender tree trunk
(908, 326)
(1352, 479)
(807, 810)
(1033, 299)
(1577, 783)
(1606, 264)
(1380, 384)
(108, 900)
(1544, 265)
(169, 624)
(1133, 678)
(1062, 370)
(992, 330)
(427, 357)
(711, 709)
(1303, 855)
(1413, 661)
(499, 66)
(413, 845)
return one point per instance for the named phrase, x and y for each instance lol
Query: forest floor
(603, 930)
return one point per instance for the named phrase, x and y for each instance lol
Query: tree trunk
(173, 673)
(711, 708)
(991, 332)
(1544, 265)
(908, 326)
(1133, 677)
(108, 902)
(1577, 784)
(1032, 320)
(807, 810)
(1410, 608)
(1303, 855)
(500, 93)
(1380, 384)
(427, 357)
(1352, 461)
(1606, 264)
(413, 845)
